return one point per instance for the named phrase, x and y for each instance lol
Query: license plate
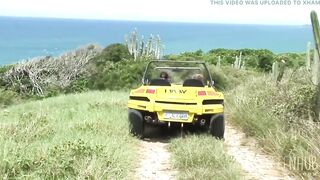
(176, 115)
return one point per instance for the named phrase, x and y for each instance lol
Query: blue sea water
(23, 38)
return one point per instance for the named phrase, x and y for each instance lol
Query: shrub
(260, 59)
(120, 75)
(265, 62)
(226, 77)
(114, 53)
(79, 85)
(8, 97)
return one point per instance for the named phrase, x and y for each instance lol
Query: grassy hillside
(86, 135)
(70, 136)
(281, 116)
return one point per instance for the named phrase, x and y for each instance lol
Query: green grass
(8, 98)
(203, 157)
(227, 78)
(70, 136)
(278, 115)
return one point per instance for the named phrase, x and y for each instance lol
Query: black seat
(159, 82)
(193, 83)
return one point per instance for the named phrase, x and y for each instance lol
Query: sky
(202, 11)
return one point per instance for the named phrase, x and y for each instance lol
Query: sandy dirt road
(255, 163)
(155, 159)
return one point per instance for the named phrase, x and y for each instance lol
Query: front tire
(217, 126)
(136, 123)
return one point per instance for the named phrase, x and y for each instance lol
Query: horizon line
(148, 21)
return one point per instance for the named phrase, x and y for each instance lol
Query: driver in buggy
(199, 77)
(164, 75)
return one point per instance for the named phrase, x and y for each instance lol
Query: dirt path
(255, 163)
(155, 161)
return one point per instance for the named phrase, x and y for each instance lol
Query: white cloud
(158, 10)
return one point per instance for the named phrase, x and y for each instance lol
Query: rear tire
(136, 123)
(217, 126)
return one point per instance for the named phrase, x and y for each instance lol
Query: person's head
(164, 75)
(199, 77)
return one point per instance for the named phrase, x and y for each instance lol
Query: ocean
(24, 38)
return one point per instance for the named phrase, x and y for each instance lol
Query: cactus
(142, 46)
(315, 63)
(150, 46)
(308, 60)
(316, 30)
(275, 70)
(315, 76)
(238, 63)
(219, 61)
(243, 67)
(278, 70)
(282, 66)
(240, 60)
(315, 69)
(158, 47)
(134, 42)
(139, 49)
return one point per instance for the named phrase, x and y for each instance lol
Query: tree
(114, 52)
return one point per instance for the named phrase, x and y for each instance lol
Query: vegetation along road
(68, 122)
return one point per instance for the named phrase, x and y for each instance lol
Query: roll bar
(171, 61)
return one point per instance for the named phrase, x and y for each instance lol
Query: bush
(226, 77)
(3, 69)
(221, 81)
(8, 97)
(265, 62)
(79, 85)
(113, 53)
(260, 59)
(120, 75)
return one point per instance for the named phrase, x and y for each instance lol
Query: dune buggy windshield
(176, 72)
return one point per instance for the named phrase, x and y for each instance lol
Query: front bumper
(194, 109)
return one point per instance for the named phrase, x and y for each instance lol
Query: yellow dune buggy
(176, 93)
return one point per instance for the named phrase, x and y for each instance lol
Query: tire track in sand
(255, 163)
(155, 161)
